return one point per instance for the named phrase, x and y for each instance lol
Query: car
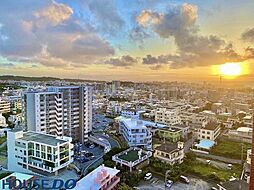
(214, 188)
(169, 184)
(230, 166)
(148, 176)
(208, 162)
(184, 179)
(92, 146)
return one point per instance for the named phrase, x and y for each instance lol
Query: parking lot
(155, 183)
(86, 154)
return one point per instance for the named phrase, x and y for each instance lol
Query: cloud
(248, 35)
(48, 33)
(123, 61)
(56, 13)
(138, 35)
(193, 49)
(106, 14)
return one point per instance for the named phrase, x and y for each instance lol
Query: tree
(123, 186)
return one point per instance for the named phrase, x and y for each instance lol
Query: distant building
(32, 152)
(242, 134)
(167, 116)
(5, 105)
(170, 153)
(210, 132)
(170, 134)
(102, 178)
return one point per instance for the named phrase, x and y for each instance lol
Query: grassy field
(208, 171)
(230, 149)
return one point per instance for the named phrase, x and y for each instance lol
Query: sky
(134, 40)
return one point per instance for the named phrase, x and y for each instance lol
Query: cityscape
(126, 95)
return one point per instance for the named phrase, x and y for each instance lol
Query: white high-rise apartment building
(65, 110)
(5, 105)
(32, 152)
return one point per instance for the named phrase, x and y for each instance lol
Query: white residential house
(170, 153)
(32, 152)
(210, 131)
(135, 133)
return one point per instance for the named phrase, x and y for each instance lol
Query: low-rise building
(135, 133)
(241, 134)
(33, 152)
(170, 134)
(167, 116)
(102, 178)
(234, 185)
(132, 158)
(170, 153)
(210, 132)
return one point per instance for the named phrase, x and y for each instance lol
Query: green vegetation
(119, 99)
(211, 172)
(230, 149)
(3, 139)
(128, 179)
(130, 156)
(3, 149)
(193, 167)
(2, 175)
(120, 140)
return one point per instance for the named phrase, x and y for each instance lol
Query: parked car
(184, 179)
(148, 176)
(214, 188)
(169, 184)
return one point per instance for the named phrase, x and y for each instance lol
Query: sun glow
(231, 70)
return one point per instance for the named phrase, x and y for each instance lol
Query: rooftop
(167, 148)
(91, 181)
(131, 155)
(137, 123)
(42, 138)
(171, 129)
(211, 126)
(234, 185)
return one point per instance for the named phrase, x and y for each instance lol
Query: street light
(166, 176)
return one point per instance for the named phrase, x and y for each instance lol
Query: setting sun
(231, 69)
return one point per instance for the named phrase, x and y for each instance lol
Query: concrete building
(241, 134)
(135, 133)
(3, 121)
(210, 132)
(102, 178)
(167, 116)
(5, 105)
(60, 111)
(32, 152)
(170, 134)
(170, 153)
